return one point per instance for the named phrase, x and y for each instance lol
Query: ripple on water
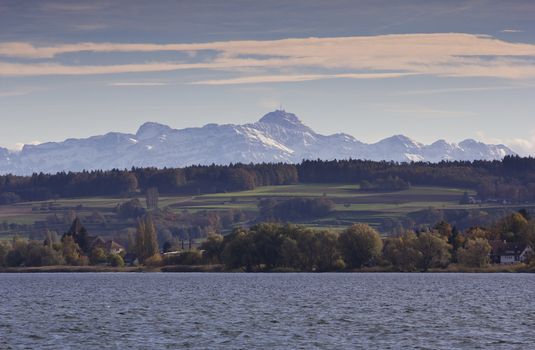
(276, 311)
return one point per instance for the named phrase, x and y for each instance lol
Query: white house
(509, 253)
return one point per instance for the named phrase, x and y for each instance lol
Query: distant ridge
(278, 136)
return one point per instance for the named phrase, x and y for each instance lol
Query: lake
(267, 311)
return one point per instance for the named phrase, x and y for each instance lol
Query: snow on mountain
(399, 148)
(278, 136)
(5, 160)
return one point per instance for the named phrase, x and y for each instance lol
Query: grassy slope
(352, 205)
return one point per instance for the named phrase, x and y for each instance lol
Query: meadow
(351, 205)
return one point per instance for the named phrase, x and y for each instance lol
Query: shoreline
(221, 269)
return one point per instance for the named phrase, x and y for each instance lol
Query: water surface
(268, 311)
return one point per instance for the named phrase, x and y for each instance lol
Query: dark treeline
(294, 208)
(511, 179)
(190, 180)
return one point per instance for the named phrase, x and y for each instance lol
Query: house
(504, 252)
(113, 247)
(110, 246)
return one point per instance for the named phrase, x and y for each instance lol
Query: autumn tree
(98, 256)
(213, 248)
(327, 255)
(360, 245)
(239, 250)
(475, 253)
(72, 252)
(403, 252)
(510, 228)
(434, 249)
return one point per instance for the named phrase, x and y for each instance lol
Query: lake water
(267, 311)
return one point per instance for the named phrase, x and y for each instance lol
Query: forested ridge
(511, 179)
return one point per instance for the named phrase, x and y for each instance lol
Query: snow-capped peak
(150, 130)
(283, 119)
(401, 140)
(278, 136)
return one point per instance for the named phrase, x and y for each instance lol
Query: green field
(352, 205)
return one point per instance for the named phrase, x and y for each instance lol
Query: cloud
(20, 145)
(525, 147)
(138, 83)
(356, 57)
(511, 31)
(42, 69)
(13, 93)
(464, 89)
(90, 26)
(522, 146)
(18, 92)
(74, 6)
(296, 78)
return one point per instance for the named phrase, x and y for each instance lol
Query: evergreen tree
(79, 233)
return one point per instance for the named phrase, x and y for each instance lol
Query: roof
(95, 241)
(111, 244)
(507, 248)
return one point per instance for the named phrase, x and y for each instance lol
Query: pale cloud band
(511, 31)
(357, 57)
(138, 83)
(297, 78)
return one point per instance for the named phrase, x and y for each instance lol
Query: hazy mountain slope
(277, 137)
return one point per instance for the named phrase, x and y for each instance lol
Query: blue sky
(427, 69)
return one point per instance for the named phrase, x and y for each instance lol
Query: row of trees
(512, 179)
(294, 208)
(76, 248)
(271, 246)
(274, 246)
(391, 183)
(22, 252)
(192, 180)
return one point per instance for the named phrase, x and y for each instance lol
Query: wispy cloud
(464, 89)
(358, 57)
(90, 26)
(73, 6)
(20, 145)
(17, 92)
(137, 83)
(511, 31)
(297, 78)
(523, 146)
(42, 69)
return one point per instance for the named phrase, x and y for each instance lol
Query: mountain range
(278, 136)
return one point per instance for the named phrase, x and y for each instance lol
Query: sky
(427, 69)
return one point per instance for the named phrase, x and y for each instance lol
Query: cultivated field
(352, 205)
